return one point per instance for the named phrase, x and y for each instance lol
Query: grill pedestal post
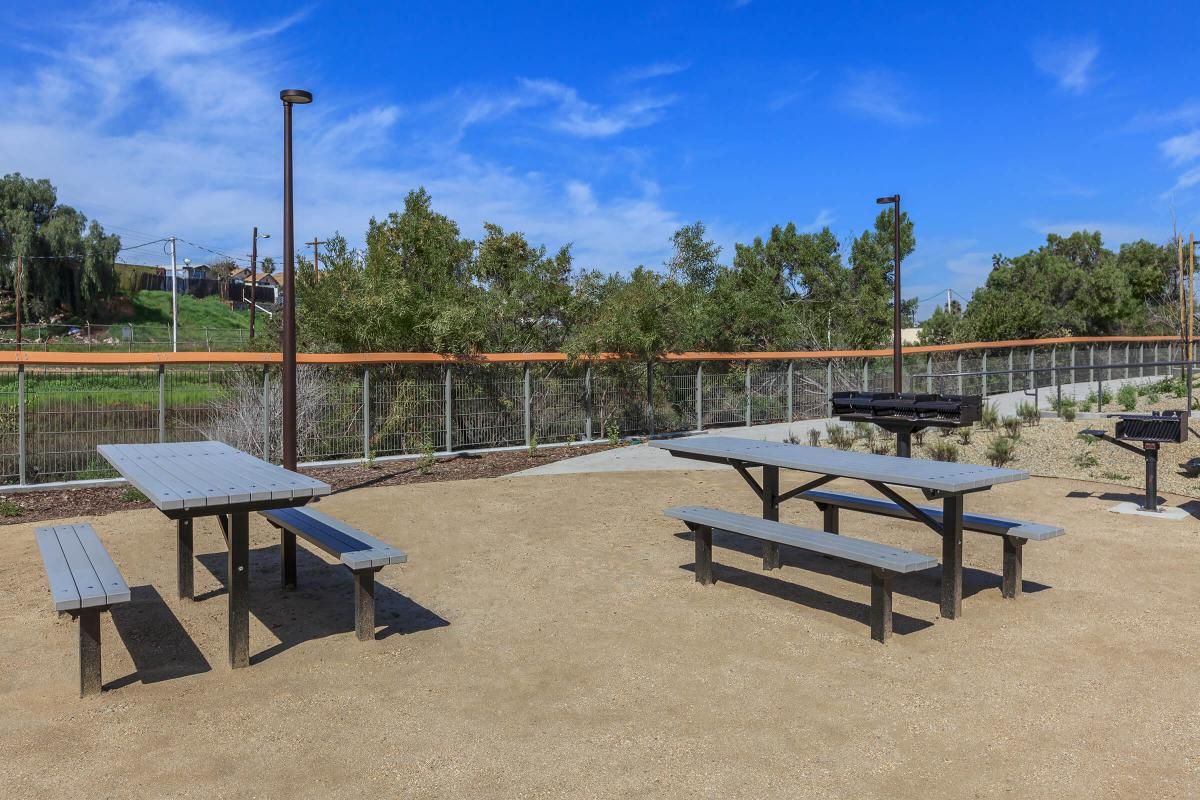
(1151, 450)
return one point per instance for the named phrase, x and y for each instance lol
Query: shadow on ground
(322, 604)
(158, 644)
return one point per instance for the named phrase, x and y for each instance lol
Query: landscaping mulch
(24, 507)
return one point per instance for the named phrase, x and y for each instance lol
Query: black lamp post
(289, 97)
(897, 357)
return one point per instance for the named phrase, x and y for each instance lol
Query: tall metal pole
(253, 277)
(174, 305)
(316, 244)
(289, 298)
(897, 357)
(17, 295)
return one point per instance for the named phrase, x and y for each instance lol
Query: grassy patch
(132, 495)
(10, 509)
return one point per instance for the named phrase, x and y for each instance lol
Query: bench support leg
(830, 514)
(287, 559)
(183, 555)
(881, 605)
(770, 503)
(364, 605)
(89, 652)
(1011, 586)
(704, 573)
(952, 546)
(239, 589)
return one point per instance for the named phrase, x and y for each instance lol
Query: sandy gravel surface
(547, 640)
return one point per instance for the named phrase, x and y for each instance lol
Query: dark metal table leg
(183, 554)
(881, 605)
(770, 505)
(287, 559)
(703, 534)
(952, 544)
(904, 444)
(239, 585)
(89, 652)
(830, 516)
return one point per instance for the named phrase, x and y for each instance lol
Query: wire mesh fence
(52, 418)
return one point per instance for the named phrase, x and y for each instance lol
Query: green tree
(68, 264)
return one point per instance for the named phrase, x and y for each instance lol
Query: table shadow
(322, 603)
(158, 643)
(923, 585)
(766, 583)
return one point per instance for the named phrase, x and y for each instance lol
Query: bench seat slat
(355, 549)
(111, 581)
(980, 523)
(860, 551)
(62, 583)
(87, 582)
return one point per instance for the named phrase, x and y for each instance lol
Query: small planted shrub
(943, 450)
(882, 447)
(613, 432)
(964, 436)
(1085, 460)
(864, 431)
(814, 437)
(1001, 450)
(839, 437)
(989, 417)
(10, 509)
(1067, 411)
(1028, 413)
(1127, 398)
(1153, 397)
(1012, 427)
(918, 438)
(427, 459)
(132, 495)
(533, 445)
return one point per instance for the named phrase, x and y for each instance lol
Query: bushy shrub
(964, 435)
(989, 417)
(839, 436)
(1001, 450)
(1028, 413)
(1012, 426)
(1127, 397)
(943, 450)
(814, 437)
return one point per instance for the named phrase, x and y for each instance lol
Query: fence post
(959, 371)
(829, 388)
(866, 380)
(526, 393)
(1054, 365)
(699, 395)
(1032, 374)
(1125, 372)
(1141, 359)
(791, 369)
(1110, 375)
(448, 395)
(162, 402)
(587, 402)
(983, 376)
(266, 414)
(21, 444)
(1073, 379)
(1010, 370)
(747, 394)
(366, 413)
(650, 397)
(1091, 362)
(929, 373)
(1156, 359)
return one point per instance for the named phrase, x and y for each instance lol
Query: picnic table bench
(949, 482)
(84, 582)
(1015, 533)
(883, 560)
(359, 552)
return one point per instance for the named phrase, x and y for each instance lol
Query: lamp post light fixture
(289, 97)
(897, 356)
(254, 274)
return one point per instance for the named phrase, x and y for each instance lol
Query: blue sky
(609, 125)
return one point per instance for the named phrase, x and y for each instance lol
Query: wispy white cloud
(824, 219)
(879, 95)
(660, 69)
(1069, 61)
(1182, 148)
(158, 119)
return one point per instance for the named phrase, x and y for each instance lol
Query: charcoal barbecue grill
(904, 413)
(1152, 430)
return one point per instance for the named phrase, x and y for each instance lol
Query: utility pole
(316, 243)
(947, 301)
(174, 304)
(17, 292)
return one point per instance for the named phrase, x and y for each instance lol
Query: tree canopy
(67, 263)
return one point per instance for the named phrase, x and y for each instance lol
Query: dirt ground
(547, 639)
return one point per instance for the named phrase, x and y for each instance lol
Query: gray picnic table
(195, 479)
(949, 482)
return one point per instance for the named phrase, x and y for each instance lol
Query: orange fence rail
(202, 357)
